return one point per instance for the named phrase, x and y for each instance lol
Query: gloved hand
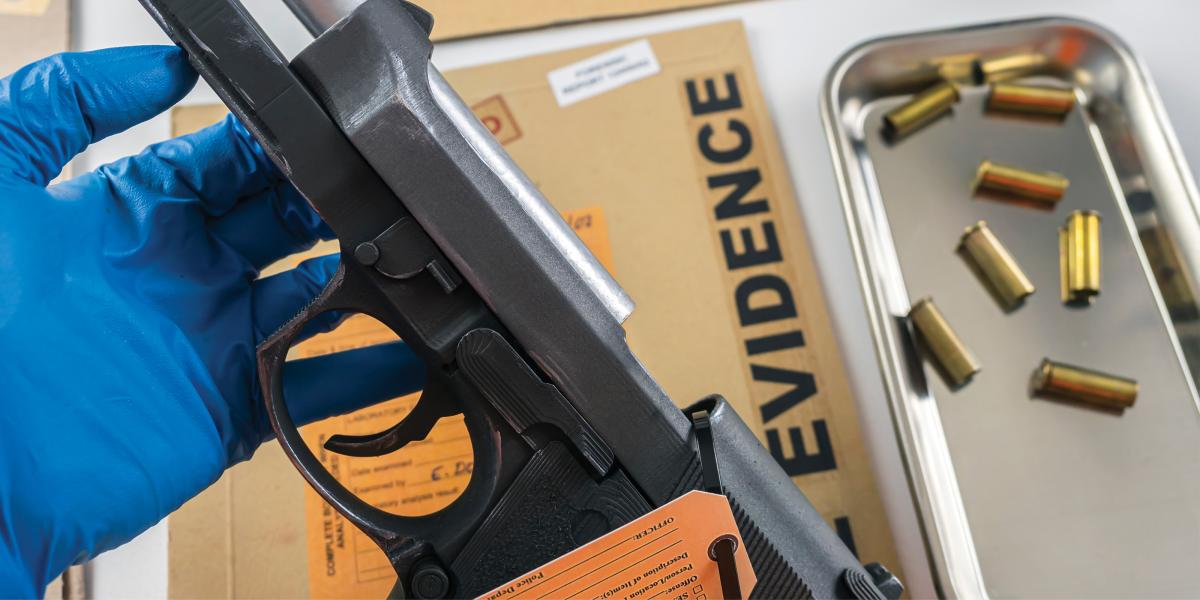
(130, 309)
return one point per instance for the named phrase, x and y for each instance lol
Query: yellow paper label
(25, 8)
(419, 479)
(667, 554)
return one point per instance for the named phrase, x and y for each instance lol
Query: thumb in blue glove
(130, 308)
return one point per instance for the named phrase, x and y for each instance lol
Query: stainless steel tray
(1023, 497)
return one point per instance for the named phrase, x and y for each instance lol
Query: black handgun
(445, 241)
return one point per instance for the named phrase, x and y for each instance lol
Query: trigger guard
(405, 540)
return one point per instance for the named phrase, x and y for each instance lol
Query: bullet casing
(1057, 380)
(918, 76)
(955, 360)
(955, 68)
(923, 109)
(1029, 99)
(1174, 280)
(1046, 187)
(1011, 66)
(1063, 270)
(1079, 256)
(996, 264)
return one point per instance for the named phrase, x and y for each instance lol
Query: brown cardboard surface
(244, 536)
(695, 196)
(465, 18)
(32, 29)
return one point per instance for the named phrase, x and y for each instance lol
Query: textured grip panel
(553, 507)
(617, 499)
(861, 585)
(794, 551)
(690, 479)
(776, 579)
(522, 398)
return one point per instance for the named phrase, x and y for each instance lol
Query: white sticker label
(603, 72)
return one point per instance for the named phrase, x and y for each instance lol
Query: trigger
(415, 427)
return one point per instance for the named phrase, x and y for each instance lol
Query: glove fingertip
(129, 85)
(281, 296)
(54, 108)
(321, 268)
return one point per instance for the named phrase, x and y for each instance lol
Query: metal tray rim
(924, 450)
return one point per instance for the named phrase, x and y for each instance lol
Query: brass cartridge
(923, 109)
(997, 266)
(954, 359)
(1047, 187)
(1063, 270)
(1079, 256)
(1031, 100)
(1174, 280)
(956, 68)
(1012, 66)
(1057, 380)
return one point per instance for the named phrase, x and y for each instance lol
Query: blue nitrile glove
(130, 310)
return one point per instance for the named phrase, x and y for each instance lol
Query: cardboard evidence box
(466, 18)
(660, 153)
(32, 29)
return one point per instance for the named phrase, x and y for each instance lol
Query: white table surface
(794, 43)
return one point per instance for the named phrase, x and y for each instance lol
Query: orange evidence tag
(668, 554)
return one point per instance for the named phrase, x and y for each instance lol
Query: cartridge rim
(1042, 374)
(982, 169)
(978, 226)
